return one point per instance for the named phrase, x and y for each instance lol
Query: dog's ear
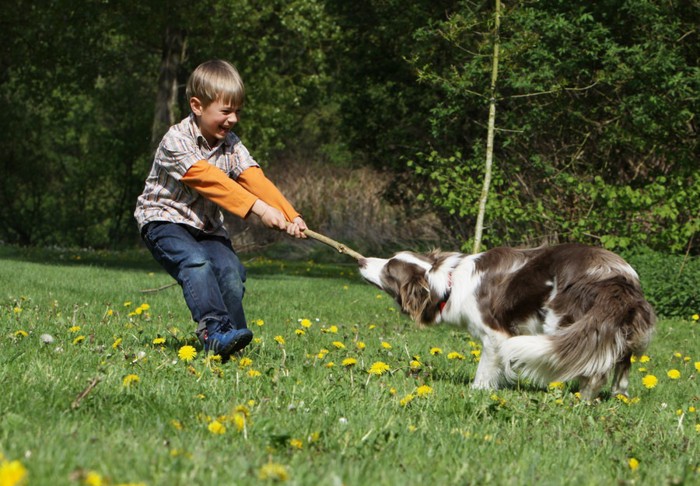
(414, 296)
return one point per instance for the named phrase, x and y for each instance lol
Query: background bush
(671, 283)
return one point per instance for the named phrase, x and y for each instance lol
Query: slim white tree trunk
(491, 129)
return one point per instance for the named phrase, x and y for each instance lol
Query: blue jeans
(206, 267)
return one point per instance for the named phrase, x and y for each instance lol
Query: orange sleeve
(253, 180)
(213, 183)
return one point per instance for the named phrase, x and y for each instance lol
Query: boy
(200, 168)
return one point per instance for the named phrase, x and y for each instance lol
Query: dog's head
(409, 278)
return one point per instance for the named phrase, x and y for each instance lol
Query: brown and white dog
(554, 313)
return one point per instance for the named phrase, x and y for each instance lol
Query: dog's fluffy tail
(589, 347)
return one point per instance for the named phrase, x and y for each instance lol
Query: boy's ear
(196, 106)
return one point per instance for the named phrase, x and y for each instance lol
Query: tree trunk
(174, 47)
(491, 129)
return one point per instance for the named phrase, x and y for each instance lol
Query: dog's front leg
(488, 373)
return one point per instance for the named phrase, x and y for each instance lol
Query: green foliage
(671, 282)
(596, 108)
(596, 122)
(320, 424)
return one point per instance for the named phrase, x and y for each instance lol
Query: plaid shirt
(167, 198)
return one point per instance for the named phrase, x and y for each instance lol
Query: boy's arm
(213, 183)
(253, 180)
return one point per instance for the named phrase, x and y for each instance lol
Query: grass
(288, 414)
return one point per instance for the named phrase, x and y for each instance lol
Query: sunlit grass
(104, 383)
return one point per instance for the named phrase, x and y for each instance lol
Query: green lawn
(107, 403)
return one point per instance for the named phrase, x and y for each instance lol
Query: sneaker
(225, 342)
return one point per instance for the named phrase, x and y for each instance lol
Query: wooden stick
(311, 234)
(84, 393)
(328, 241)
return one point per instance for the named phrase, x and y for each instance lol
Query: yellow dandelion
(348, 362)
(622, 398)
(649, 381)
(21, 333)
(386, 345)
(424, 391)
(279, 339)
(691, 409)
(130, 379)
(93, 478)
(407, 399)
(476, 353)
(644, 359)
(330, 364)
(239, 420)
(501, 401)
(695, 317)
(244, 362)
(435, 351)
(187, 353)
(299, 332)
(673, 374)
(127, 303)
(306, 323)
(331, 329)
(378, 368)
(177, 425)
(12, 473)
(254, 373)
(371, 326)
(159, 341)
(74, 329)
(79, 339)
(117, 342)
(455, 355)
(360, 345)
(556, 385)
(109, 313)
(415, 365)
(633, 463)
(17, 310)
(273, 471)
(338, 345)
(697, 427)
(296, 444)
(322, 354)
(697, 365)
(216, 428)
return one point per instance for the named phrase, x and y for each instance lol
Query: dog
(554, 313)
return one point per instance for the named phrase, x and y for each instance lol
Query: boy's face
(214, 120)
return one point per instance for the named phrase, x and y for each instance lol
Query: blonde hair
(216, 80)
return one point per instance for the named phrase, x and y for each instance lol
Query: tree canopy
(596, 128)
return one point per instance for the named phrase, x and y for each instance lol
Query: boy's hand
(271, 217)
(296, 228)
